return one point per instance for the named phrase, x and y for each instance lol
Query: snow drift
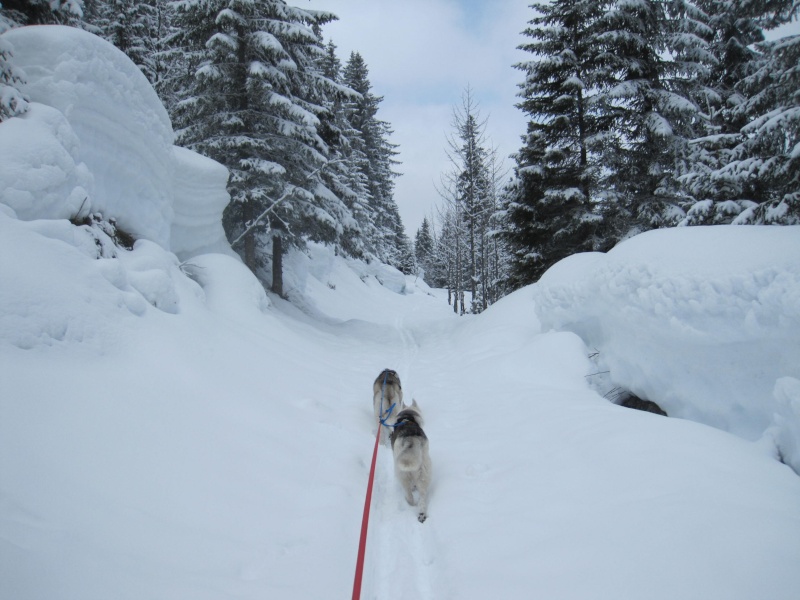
(702, 320)
(98, 140)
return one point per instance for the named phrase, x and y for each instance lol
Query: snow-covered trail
(222, 452)
(542, 488)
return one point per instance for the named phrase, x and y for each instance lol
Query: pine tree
(377, 160)
(137, 27)
(347, 175)
(767, 159)
(550, 208)
(42, 12)
(12, 101)
(469, 193)
(654, 53)
(423, 250)
(256, 104)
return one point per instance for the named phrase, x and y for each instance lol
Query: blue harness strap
(386, 416)
(388, 412)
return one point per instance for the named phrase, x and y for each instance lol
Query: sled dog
(387, 401)
(412, 462)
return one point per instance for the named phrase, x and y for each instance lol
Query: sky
(422, 55)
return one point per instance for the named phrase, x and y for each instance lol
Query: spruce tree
(721, 188)
(423, 250)
(733, 32)
(469, 193)
(42, 12)
(346, 176)
(767, 160)
(655, 55)
(12, 101)
(550, 208)
(255, 106)
(138, 28)
(375, 156)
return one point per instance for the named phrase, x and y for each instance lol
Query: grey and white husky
(412, 461)
(387, 401)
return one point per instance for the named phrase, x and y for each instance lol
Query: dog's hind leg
(422, 483)
(407, 481)
(422, 503)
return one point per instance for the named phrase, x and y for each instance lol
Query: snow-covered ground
(168, 430)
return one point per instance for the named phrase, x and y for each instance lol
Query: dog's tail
(408, 455)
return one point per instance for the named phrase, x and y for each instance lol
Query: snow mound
(329, 286)
(78, 292)
(40, 170)
(701, 320)
(98, 140)
(124, 131)
(230, 287)
(786, 430)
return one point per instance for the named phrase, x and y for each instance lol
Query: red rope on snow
(362, 544)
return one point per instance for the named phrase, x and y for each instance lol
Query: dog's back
(412, 460)
(409, 442)
(387, 386)
(387, 399)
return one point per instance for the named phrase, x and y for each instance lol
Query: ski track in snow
(401, 552)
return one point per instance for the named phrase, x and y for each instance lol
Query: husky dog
(412, 462)
(387, 401)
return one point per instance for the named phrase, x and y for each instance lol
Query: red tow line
(362, 544)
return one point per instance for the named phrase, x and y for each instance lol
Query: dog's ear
(414, 403)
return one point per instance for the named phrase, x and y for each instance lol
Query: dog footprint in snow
(476, 470)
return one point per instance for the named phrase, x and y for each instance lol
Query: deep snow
(169, 430)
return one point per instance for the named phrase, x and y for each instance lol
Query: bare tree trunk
(277, 265)
(473, 266)
(250, 239)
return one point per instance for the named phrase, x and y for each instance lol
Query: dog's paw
(421, 517)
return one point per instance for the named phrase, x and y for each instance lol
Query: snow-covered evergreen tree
(42, 12)
(375, 156)
(469, 191)
(657, 59)
(347, 174)
(12, 100)
(137, 27)
(255, 107)
(721, 188)
(767, 160)
(549, 210)
(423, 250)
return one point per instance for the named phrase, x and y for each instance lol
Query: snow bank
(74, 295)
(98, 139)
(200, 196)
(40, 171)
(701, 320)
(786, 429)
(326, 285)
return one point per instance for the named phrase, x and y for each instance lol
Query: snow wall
(98, 139)
(704, 321)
